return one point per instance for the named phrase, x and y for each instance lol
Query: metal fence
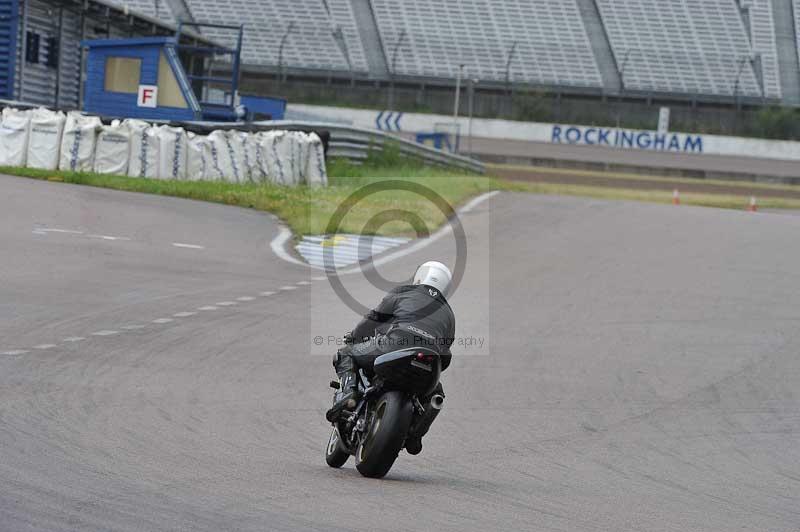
(354, 143)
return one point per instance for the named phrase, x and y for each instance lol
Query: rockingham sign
(578, 135)
(625, 138)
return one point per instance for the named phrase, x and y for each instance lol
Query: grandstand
(744, 49)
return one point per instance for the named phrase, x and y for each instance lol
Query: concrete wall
(528, 106)
(570, 134)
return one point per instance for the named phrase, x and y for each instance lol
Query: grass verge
(720, 201)
(308, 210)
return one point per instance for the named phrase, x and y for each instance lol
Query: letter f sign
(148, 96)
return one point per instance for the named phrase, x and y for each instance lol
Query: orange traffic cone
(676, 197)
(753, 206)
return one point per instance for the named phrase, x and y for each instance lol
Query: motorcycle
(388, 411)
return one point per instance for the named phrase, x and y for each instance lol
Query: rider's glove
(348, 338)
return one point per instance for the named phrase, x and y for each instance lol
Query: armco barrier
(354, 143)
(346, 141)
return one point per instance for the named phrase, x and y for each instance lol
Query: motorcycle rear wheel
(335, 453)
(388, 428)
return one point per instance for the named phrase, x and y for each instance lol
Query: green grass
(306, 210)
(621, 177)
(720, 201)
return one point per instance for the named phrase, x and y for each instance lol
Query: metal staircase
(601, 46)
(786, 44)
(370, 39)
(213, 110)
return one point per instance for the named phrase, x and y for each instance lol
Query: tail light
(422, 357)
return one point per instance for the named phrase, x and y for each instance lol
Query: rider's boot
(347, 395)
(420, 428)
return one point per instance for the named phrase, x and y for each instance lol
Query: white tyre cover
(197, 159)
(44, 141)
(14, 133)
(316, 171)
(223, 158)
(144, 155)
(78, 142)
(113, 149)
(172, 152)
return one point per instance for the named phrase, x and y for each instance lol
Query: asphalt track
(643, 372)
(634, 161)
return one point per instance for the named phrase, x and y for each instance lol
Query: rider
(409, 315)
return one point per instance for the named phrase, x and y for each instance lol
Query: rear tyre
(335, 453)
(388, 428)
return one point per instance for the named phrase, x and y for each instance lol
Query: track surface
(723, 165)
(643, 375)
(532, 174)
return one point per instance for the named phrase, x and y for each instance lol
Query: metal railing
(354, 143)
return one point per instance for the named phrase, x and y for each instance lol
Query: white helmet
(434, 274)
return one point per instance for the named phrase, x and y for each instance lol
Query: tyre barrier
(52, 140)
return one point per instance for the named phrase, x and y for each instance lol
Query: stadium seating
(153, 8)
(667, 46)
(311, 43)
(690, 47)
(552, 46)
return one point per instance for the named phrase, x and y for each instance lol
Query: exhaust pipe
(437, 402)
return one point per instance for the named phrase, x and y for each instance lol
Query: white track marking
(267, 294)
(208, 307)
(278, 243)
(187, 246)
(41, 233)
(226, 303)
(183, 314)
(107, 237)
(42, 347)
(132, 327)
(287, 288)
(105, 333)
(163, 320)
(303, 283)
(67, 231)
(319, 278)
(419, 244)
(15, 352)
(245, 298)
(73, 339)
(278, 246)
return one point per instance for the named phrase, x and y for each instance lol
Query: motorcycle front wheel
(388, 426)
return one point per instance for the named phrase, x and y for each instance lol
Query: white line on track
(278, 246)
(15, 352)
(67, 231)
(183, 314)
(226, 303)
(303, 283)
(105, 333)
(163, 320)
(319, 278)
(287, 288)
(208, 307)
(278, 243)
(187, 246)
(73, 339)
(267, 294)
(42, 347)
(107, 237)
(245, 298)
(419, 244)
(132, 327)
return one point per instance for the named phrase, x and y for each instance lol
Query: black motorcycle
(388, 412)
